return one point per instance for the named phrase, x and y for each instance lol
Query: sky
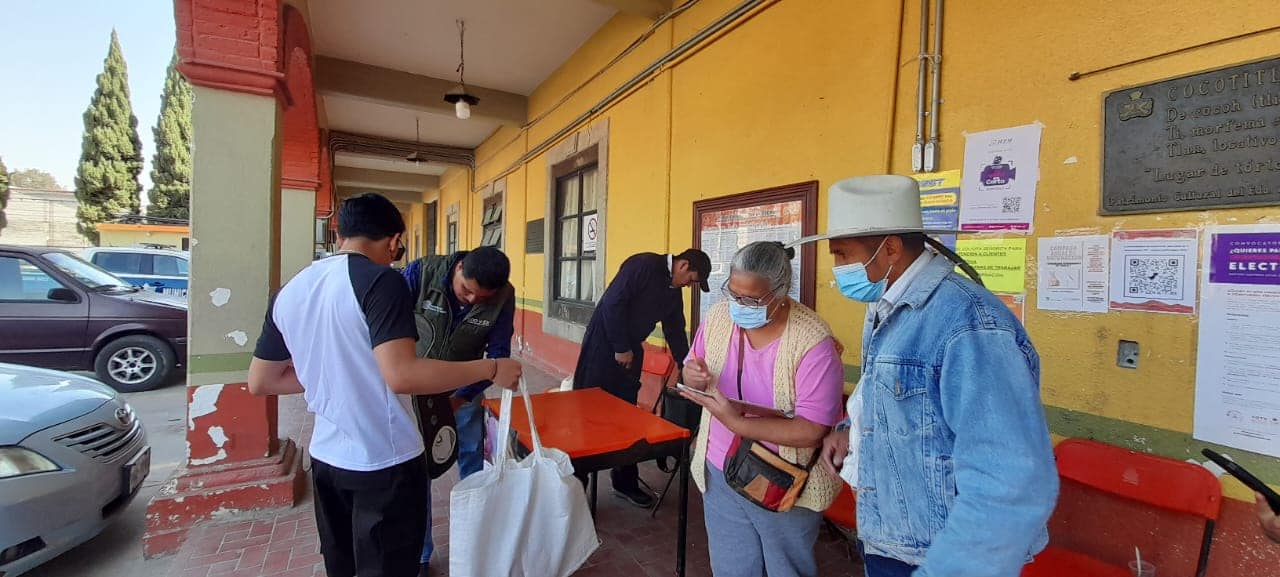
(51, 53)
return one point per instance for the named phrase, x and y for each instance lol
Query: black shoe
(636, 496)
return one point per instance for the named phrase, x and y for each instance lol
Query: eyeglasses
(745, 300)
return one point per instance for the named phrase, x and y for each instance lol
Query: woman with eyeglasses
(767, 371)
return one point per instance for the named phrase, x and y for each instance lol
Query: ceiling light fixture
(414, 157)
(461, 100)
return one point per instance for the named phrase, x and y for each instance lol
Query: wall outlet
(1127, 355)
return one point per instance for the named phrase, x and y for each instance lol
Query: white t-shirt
(328, 320)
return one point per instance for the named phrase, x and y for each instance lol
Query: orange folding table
(600, 431)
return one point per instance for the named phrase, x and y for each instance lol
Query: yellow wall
(135, 236)
(805, 90)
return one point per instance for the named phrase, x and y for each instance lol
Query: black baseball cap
(700, 262)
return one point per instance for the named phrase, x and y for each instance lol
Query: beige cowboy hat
(881, 204)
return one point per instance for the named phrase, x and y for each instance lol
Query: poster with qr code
(1154, 270)
(1001, 172)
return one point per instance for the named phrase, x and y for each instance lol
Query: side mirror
(63, 295)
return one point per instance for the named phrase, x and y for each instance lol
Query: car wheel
(134, 363)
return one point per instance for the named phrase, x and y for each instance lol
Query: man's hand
(508, 374)
(624, 359)
(835, 447)
(1268, 519)
(696, 374)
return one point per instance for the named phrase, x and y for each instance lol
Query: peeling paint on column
(203, 402)
(222, 454)
(220, 296)
(218, 435)
(238, 337)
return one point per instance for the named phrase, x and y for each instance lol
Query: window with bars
(491, 221)
(575, 237)
(451, 238)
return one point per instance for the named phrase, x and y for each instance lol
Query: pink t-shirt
(819, 385)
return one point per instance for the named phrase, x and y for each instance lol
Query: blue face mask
(748, 317)
(854, 283)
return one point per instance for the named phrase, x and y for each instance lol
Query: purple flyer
(1245, 258)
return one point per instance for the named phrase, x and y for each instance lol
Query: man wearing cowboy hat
(953, 465)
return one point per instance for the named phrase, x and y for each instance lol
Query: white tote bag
(520, 518)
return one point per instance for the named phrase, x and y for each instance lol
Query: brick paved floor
(284, 543)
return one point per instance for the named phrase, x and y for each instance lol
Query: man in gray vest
(464, 308)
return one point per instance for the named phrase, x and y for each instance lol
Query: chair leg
(849, 538)
(658, 502)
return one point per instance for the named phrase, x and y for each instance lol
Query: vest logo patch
(428, 306)
(479, 322)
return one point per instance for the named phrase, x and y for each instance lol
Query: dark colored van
(59, 312)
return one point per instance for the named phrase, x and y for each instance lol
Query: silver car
(72, 456)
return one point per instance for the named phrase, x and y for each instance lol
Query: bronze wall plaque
(1208, 140)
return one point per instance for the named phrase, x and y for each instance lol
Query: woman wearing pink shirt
(762, 347)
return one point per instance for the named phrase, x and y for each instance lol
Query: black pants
(371, 522)
(597, 368)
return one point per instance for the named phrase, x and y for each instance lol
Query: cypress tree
(4, 194)
(171, 165)
(110, 152)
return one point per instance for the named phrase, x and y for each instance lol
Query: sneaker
(635, 496)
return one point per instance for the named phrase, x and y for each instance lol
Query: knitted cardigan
(804, 331)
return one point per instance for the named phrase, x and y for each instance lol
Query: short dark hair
(488, 266)
(370, 216)
(913, 242)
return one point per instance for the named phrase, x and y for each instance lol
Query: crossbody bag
(756, 472)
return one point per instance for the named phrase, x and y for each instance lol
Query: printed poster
(1072, 274)
(1238, 357)
(1002, 262)
(940, 202)
(1154, 270)
(726, 231)
(1001, 171)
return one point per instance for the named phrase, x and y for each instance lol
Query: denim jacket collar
(923, 286)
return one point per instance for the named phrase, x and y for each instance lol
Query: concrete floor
(117, 551)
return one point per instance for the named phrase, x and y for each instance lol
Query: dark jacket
(638, 298)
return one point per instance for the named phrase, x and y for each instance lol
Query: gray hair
(769, 260)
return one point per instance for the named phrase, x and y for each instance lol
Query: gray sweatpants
(745, 540)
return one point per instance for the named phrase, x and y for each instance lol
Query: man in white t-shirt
(342, 334)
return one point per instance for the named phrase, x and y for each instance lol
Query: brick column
(235, 461)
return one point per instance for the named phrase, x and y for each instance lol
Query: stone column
(297, 230)
(235, 459)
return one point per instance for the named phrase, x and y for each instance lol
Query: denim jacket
(956, 468)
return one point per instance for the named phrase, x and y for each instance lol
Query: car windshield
(92, 276)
